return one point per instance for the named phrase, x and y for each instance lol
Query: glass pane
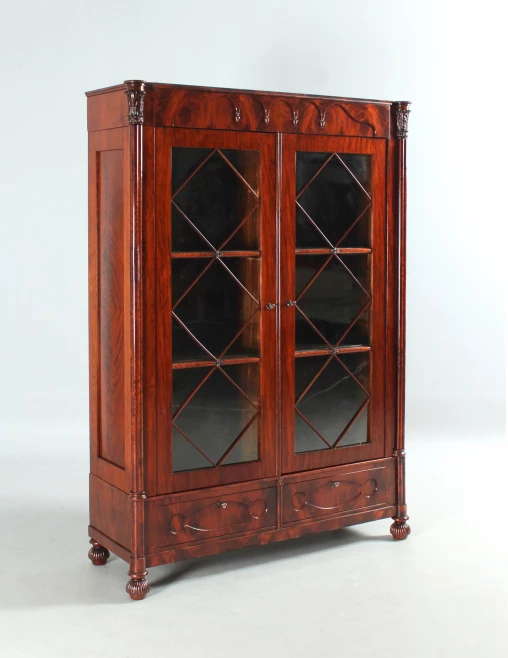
(358, 364)
(216, 193)
(334, 195)
(306, 369)
(306, 440)
(184, 162)
(331, 292)
(330, 403)
(216, 307)
(185, 455)
(358, 432)
(185, 381)
(247, 449)
(217, 414)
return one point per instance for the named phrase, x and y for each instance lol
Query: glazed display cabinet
(246, 296)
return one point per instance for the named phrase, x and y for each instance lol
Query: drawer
(308, 496)
(217, 515)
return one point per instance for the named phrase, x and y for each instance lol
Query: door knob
(269, 307)
(290, 302)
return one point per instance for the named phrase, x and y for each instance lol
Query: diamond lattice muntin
(215, 200)
(333, 300)
(332, 397)
(215, 305)
(215, 416)
(333, 200)
(216, 288)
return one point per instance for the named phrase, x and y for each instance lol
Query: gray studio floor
(347, 593)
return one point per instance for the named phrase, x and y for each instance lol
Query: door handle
(290, 302)
(269, 306)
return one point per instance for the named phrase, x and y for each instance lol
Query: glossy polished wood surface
(149, 504)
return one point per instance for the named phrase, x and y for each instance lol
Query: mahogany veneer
(247, 332)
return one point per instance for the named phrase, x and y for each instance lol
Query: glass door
(218, 298)
(332, 300)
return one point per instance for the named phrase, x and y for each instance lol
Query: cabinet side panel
(108, 110)
(111, 307)
(108, 272)
(110, 511)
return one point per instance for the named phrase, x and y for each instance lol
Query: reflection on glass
(220, 417)
(215, 307)
(332, 300)
(215, 199)
(333, 200)
(328, 397)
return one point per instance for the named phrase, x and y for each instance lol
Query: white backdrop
(444, 56)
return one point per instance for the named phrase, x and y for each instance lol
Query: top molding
(137, 102)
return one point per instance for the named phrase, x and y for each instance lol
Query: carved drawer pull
(335, 484)
(223, 505)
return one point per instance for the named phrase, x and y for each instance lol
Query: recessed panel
(111, 306)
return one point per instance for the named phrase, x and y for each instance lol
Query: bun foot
(98, 554)
(137, 587)
(400, 530)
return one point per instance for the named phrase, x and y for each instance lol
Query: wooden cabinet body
(246, 295)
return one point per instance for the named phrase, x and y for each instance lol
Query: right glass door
(332, 300)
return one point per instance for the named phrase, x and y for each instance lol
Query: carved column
(400, 529)
(137, 587)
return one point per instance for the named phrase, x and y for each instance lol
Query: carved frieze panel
(186, 108)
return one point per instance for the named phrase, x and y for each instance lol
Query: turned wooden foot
(98, 554)
(400, 529)
(137, 587)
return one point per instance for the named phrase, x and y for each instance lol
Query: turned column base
(98, 554)
(400, 529)
(137, 587)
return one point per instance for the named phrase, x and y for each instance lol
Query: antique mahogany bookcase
(246, 294)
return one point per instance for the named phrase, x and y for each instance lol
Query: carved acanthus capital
(135, 90)
(401, 117)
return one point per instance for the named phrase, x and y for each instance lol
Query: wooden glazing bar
(211, 254)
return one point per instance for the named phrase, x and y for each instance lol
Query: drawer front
(216, 516)
(341, 490)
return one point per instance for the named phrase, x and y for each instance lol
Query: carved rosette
(137, 587)
(135, 90)
(401, 117)
(98, 554)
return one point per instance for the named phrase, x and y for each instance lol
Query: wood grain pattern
(110, 217)
(166, 139)
(110, 511)
(220, 545)
(258, 111)
(139, 509)
(400, 529)
(108, 275)
(331, 491)
(215, 516)
(291, 144)
(240, 110)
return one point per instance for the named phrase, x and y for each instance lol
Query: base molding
(215, 546)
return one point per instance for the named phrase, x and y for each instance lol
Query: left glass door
(216, 319)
